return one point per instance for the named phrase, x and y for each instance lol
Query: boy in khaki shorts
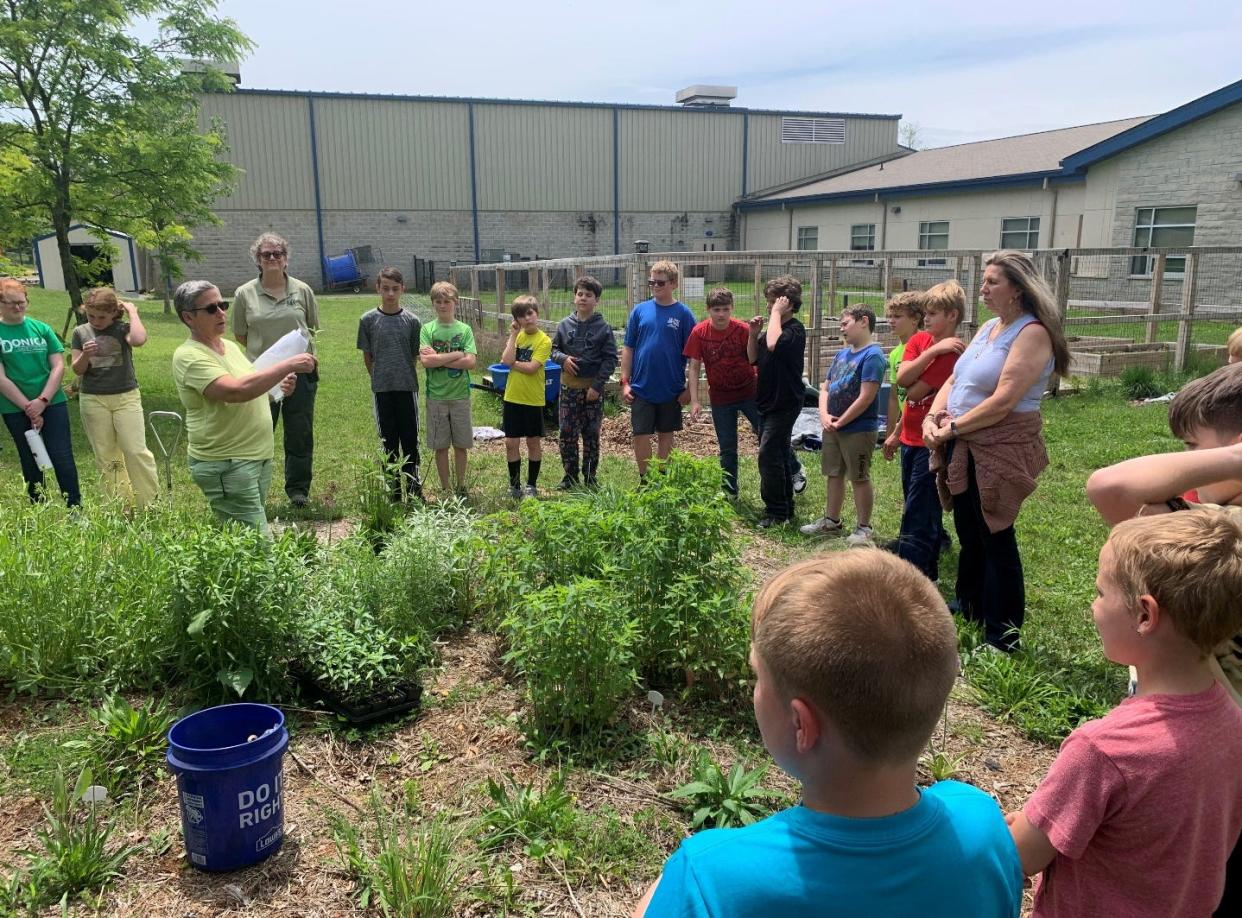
(849, 410)
(448, 354)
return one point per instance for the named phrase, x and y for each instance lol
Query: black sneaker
(770, 522)
(567, 484)
(799, 480)
(298, 500)
(591, 482)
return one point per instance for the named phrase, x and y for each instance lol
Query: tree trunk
(60, 223)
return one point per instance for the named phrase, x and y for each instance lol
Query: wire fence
(1164, 309)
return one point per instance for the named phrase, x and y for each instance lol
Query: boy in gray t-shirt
(388, 337)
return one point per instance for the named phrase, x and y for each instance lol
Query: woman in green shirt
(32, 364)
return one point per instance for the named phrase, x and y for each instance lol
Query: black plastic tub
(385, 704)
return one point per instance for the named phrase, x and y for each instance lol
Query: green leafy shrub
(540, 820)
(667, 552)
(573, 644)
(722, 801)
(1139, 382)
(76, 852)
(236, 600)
(425, 573)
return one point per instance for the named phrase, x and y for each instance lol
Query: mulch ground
(467, 733)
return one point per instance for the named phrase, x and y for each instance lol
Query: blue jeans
(724, 419)
(55, 435)
(922, 525)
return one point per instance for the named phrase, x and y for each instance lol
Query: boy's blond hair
(909, 302)
(866, 639)
(1190, 562)
(524, 305)
(442, 291)
(1234, 345)
(1212, 402)
(947, 296)
(668, 269)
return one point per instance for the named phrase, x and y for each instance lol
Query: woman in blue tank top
(985, 422)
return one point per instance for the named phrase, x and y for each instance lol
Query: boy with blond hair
(854, 654)
(904, 313)
(926, 365)
(447, 352)
(1234, 345)
(653, 368)
(1141, 808)
(525, 354)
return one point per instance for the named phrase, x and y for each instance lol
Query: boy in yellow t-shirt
(525, 354)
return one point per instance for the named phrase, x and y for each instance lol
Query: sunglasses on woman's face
(212, 308)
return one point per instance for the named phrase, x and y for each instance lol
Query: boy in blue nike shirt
(854, 654)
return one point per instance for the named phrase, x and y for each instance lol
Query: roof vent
(231, 69)
(706, 96)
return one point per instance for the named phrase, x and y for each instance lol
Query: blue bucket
(500, 376)
(552, 381)
(229, 784)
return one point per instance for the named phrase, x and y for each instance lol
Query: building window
(1021, 233)
(808, 238)
(812, 130)
(862, 237)
(1162, 227)
(933, 235)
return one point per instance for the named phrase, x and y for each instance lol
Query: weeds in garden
(129, 743)
(541, 820)
(726, 801)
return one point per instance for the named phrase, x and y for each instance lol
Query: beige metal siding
(398, 155)
(543, 158)
(773, 163)
(680, 161)
(269, 138)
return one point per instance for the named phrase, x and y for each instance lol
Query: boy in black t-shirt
(778, 353)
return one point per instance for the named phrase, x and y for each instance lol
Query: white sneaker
(799, 480)
(860, 536)
(822, 527)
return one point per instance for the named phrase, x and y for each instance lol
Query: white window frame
(1174, 265)
(868, 232)
(926, 237)
(1030, 233)
(803, 234)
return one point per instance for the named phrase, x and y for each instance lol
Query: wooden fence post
(1185, 325)
(501, 327)
(817, 310)
(1153, 301)
(759, 300)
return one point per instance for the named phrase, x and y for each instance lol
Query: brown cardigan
(1008, 456)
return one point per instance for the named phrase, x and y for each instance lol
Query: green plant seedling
(726, 801)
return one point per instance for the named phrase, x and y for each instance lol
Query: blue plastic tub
(228, 765)
(551, 377)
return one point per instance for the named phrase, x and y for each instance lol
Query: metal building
(463, 180)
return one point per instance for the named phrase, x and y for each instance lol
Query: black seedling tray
(392, 701)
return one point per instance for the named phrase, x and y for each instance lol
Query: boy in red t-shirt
(718, 344)
(926, 365)
(1141, 808)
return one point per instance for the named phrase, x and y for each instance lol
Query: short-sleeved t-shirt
(780, 385)
(448, 382)
(112, 368)
(24, 352)
(264, 320)
(936, 375)
(657, 335)
(730, 376)
(392, 340)
(528, 388)
(1143, 807)
(214, 429)
(849, 370)
(894, 363)
(948, 856)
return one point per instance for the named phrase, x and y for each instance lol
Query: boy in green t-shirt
(448, 354)
(905, 317)
(525, 354)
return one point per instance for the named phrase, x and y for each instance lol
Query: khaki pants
(114, 425)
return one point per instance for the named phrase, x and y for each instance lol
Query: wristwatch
(953, 429)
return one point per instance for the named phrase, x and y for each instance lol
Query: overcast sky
(960, 69)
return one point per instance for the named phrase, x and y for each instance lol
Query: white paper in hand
(290, 345)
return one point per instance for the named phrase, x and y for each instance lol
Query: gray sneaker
(860, 536)
(799, 480)
(530, 491)
(515, 493)
(822, 527)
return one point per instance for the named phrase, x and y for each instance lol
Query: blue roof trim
(912, 191)
(1154, 127)
(711, 110)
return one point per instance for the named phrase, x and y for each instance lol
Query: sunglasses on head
(212, 308)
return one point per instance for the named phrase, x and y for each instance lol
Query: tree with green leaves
(108, 119)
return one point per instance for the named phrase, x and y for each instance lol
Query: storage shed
(85, 241)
